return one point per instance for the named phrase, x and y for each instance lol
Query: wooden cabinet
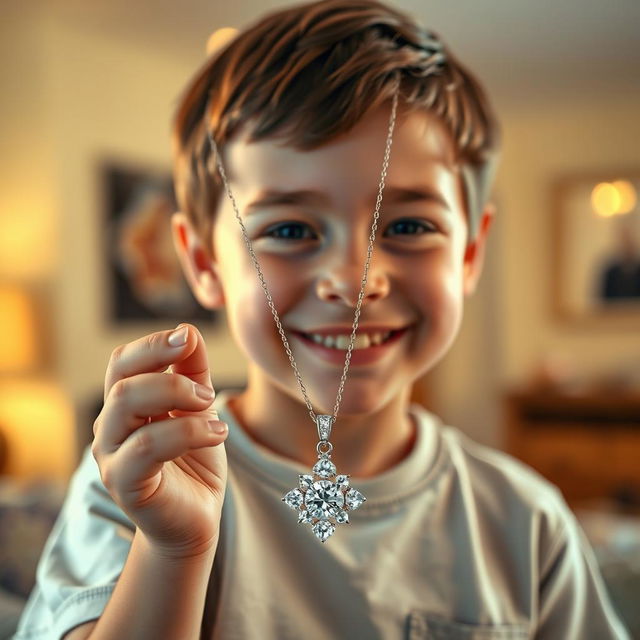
(588, 445)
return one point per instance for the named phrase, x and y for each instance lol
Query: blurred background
(547, 364)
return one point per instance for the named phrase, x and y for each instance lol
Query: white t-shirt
(457, 541)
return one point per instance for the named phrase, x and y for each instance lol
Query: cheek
(250, 318)
(438, 291)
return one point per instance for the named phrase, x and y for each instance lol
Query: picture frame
(145, 280)
(596, 261)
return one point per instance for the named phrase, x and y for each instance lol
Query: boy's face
(312, 247)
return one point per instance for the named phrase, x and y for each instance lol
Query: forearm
(156, 597)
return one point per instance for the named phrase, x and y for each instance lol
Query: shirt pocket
(426, 626)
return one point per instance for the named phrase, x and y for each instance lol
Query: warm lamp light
(18, 344)
(628, 196)
(37, 421)
(613, 198)
(605, 199)
(219, 38)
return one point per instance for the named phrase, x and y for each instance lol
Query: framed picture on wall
(596, 227)
(145, 279)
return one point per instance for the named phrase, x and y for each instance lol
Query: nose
(342, 282)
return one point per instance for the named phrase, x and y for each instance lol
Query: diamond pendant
(324, 498)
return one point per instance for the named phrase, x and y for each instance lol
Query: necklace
(322, 498)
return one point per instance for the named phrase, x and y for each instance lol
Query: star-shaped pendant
(324, 498)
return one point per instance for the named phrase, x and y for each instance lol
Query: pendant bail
(324, 424)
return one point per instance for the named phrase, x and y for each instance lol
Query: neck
(364, 444)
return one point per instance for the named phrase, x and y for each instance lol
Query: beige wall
(544, 143)
(510, 325)
(111, 101)
(27, 217)
(77, 98)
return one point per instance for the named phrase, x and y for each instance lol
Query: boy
(159, 538)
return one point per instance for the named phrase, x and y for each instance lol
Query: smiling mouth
(362, 341)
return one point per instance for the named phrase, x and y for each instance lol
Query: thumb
(195, 363)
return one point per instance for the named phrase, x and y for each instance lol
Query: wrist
(202, 552)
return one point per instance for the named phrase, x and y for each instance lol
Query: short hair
(308, 73)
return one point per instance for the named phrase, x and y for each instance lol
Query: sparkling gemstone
(324, 499)
(305, 516)
(342, 481)
(325, 468)
(354, 499)
(294, 498)
(342, 517)
(323, 529)
(305, 482)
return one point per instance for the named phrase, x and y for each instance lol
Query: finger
(196, 363)
(177, 412)
(142, 455)
(152, 353)
(132, 400)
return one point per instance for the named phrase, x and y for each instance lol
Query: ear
(475, 250)
(200, 270)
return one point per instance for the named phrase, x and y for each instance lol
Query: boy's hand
(158, 443)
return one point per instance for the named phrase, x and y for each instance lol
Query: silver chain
(374, 226)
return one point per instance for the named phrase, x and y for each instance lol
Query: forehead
(348, 167)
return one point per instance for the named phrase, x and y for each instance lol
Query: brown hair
(310, 72)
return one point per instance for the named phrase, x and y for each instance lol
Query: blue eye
(290, 231)
(408, 226)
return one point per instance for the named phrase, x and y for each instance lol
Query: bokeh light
(613, 198)
(219, 38)
(628, 196)
(605, 199)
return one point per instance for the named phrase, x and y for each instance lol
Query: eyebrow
(311, 197)
(421, 193)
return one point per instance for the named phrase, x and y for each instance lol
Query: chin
(357, 401)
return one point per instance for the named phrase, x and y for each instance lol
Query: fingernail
(206, 393)
(218, 427)
(178, 337)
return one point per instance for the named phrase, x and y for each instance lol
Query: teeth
(366, 341)
(362, 341)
